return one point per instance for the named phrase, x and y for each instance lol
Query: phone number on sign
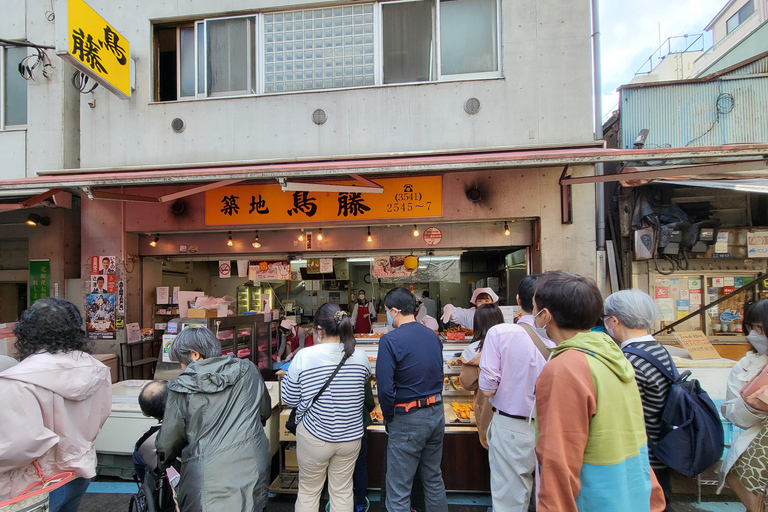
(406, 207)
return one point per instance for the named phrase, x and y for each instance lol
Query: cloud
(630, 34)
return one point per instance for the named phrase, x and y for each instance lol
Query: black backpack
(691, 432)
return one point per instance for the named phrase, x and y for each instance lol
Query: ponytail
(335, 322)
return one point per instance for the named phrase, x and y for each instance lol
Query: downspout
(597, 72)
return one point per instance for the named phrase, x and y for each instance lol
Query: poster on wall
(392, 266)
(103, 284)
(265, 270)
(39, 280)
(100, 316)
(102, 265)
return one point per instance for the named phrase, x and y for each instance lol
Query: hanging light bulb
(256, 243)
(301, 235)
(506, 229)
(415, 230)
(153, 243)
(320, 234)
(229, 241)
(370, 238)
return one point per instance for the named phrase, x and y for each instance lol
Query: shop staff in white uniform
(466, 317)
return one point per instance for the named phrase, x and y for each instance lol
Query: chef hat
(484, 290)
(288, 324)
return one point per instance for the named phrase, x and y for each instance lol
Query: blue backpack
(691, 431)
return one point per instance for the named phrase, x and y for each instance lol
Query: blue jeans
(416, 444)
(67, 497)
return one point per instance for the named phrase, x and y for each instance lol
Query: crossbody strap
(325, 386)
(673, 376)
(545, 351)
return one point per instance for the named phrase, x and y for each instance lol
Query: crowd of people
(566, 410)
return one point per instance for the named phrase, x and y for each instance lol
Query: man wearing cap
(297, 336)
(509, 366)
(466, 317)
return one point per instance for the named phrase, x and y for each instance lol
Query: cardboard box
(285, 434)
(202, 313)
(291, 460)
(381, 317)
(111, 361)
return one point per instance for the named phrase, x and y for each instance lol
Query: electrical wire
(29, 63)
(49, 15)
(724, 105)
(80, 82)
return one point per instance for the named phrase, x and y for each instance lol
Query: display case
(253, 299)
(249, 337)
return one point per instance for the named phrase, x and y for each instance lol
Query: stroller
(155, 492)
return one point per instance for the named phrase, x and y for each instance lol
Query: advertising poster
(100, 316)
(269, 270)
(103, 284)
(392, 266)
(102, 265)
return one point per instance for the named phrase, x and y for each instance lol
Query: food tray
(450, 415)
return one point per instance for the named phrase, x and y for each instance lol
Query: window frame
(468, 76)
(4, 92)
(737, 15)
(256, 53)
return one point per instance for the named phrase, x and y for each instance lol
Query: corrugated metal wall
(686, 114)
(755, 68)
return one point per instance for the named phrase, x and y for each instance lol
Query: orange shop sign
(403, 198)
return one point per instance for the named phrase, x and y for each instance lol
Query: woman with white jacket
(55, 402)
(744, 473)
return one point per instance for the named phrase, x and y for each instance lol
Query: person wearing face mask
(409, 379)
(628, 318)
(510, 363)
(297, 336)
(744, 469)
(362, 314)
(466, 317)
(591, 449)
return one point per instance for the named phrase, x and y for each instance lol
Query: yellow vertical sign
(94, 47)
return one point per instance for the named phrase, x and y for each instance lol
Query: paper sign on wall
(242, 268)
(697, 344)
(133, 333)
(225, 269)
(161, 293)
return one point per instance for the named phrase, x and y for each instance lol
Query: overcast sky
(630, 34)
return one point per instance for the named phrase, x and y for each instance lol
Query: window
(740, 16)
(401, 41)
(13, 87)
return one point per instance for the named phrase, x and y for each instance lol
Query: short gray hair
(199, 339)
(634, 308)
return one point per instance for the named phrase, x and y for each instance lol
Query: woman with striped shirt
(629, 317)
(329, 430)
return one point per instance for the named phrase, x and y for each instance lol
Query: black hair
(105, 258)
(525, 291)
(100, 278)
(483, 295)
(153, 397)
(52, 325)
(425, 293)
(574, 301)
(401, 299)
(360, 291)
(755, 312)
(335, 322)
(486, 316)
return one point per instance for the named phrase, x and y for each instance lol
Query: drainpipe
(597, 72)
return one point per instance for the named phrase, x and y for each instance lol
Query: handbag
(291, 423)
(35, 497)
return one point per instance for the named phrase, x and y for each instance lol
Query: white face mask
(609, 332)
(541, 331)
(759, 341)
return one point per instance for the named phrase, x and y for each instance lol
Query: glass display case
(249, 337)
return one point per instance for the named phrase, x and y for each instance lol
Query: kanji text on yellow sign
(94, 46)
(403, 198)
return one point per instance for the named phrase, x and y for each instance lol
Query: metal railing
(673, 45)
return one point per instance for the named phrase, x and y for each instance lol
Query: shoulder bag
(291, 423)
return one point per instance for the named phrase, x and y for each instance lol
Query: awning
(207, 176)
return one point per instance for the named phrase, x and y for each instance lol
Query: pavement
(103, 496)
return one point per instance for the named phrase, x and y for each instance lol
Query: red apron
(363, 325)
(294, 341)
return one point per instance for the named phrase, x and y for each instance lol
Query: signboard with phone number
(403, 198)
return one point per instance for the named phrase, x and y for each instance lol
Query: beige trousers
(318, 459)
